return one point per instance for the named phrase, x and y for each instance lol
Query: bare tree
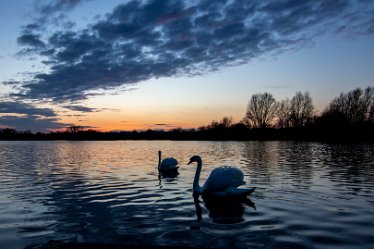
(301, 109)
(226, 122)
(74, 129)
(283, 114)
(261, 110)
(356, 106)
(368, 104)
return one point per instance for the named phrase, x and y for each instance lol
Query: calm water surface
(309, 195)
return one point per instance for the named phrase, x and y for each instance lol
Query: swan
(222, 181)
(167, 165)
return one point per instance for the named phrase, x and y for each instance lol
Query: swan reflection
(223, 210)
(167, 178)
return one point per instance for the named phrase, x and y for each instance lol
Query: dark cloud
(32, 40)
(80, 108)
(23, 116)
(33, 123)
(46, 13)
(140, 40)
(24, 108)
(57, 6)
(160, 124)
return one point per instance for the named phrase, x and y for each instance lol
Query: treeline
(353, 108)
(349, 117)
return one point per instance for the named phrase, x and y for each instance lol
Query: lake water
(309, 195)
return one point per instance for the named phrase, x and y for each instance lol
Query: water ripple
(309, 195)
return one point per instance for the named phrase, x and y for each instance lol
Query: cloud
(37, 123)
(274, 86)
(140, 40)
(23, 116)
(80, 108)
(46, 13)
(32, 40)
(162, 126)
(54, 6)
(24, 108)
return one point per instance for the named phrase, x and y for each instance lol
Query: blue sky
(114, 65)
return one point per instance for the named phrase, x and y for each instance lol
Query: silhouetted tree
(8, 131)
(301, 109)
(368, 104)
(225, 123)
(283, 114)
(261, 110)
(74, 129)
(356, 106)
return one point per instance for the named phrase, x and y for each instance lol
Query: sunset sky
(124, 65)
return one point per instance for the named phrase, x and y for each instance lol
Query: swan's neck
(195, 186)
(159, 159)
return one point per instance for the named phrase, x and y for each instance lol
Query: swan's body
(167, 165)
(222, 181)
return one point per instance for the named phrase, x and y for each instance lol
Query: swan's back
(169, 163)
(223, 178)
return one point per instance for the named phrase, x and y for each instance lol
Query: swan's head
(194, 159)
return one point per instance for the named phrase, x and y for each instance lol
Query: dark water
(309, 195)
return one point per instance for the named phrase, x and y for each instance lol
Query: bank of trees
(349, 117)
(352, 108)
(263, 111)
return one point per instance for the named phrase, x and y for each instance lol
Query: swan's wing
(239, 191)
(232, 192)
(223, 178)
(169, 163)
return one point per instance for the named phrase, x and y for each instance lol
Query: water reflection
(223, 210)
(170, 174)
(352, 163)
(167, 177)
(260, 158)
(312, 195)
(296, 161)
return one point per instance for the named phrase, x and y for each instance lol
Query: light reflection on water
(309, 195)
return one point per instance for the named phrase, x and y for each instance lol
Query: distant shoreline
(357, 133)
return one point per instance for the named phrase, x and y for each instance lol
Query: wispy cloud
(159, 124)
(81, 108)
(140, 40)
(162, 126)
(51, 7)
(274, 86)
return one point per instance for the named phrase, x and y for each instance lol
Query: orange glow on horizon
(156, 120)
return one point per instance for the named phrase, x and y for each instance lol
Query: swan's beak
(189, 162)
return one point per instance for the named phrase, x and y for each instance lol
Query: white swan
(222, 181)
(167, 165)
